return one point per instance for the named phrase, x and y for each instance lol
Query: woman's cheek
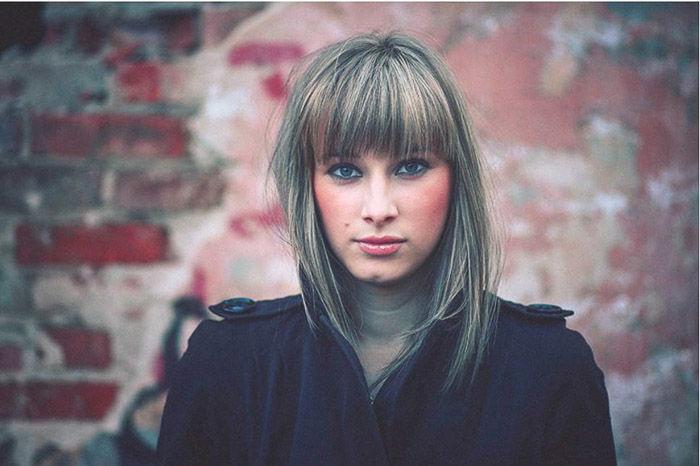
(330, 202)
(432, 203)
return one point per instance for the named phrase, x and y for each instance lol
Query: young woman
(397, 351)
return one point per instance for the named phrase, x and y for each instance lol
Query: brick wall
(133, 148)
(104, 202)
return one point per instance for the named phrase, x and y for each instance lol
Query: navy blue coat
(260, 388)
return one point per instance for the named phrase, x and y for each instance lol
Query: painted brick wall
(133, 149)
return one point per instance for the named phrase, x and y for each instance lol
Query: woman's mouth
(380, 245)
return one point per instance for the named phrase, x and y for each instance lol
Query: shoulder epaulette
(243, 308)
(538, 311)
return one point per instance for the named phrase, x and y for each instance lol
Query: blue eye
(344, 172)
(411, 168)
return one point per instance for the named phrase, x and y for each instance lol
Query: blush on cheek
(434, 200)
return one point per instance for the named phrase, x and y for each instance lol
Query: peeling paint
(672, 188)
(219, 104)
(264, 53)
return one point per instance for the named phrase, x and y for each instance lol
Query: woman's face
(383, 217)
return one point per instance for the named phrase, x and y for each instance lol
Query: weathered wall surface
(133, 147)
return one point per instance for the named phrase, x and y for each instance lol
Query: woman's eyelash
(344, 171)
(412, 167)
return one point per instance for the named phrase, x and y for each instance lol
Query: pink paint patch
(625, 353)
(264, 53)
(244, 225)
(274, 86)
(134, 314)
(199, 284)
(158, 369)
(132, 283)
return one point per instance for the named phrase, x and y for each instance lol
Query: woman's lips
(380, 246)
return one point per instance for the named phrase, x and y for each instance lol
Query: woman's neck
(387, 312)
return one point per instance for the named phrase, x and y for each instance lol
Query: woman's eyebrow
(328, 158)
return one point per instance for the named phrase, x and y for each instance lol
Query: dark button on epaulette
(233, 307)
(547, 310)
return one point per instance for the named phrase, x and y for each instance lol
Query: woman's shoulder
(247, 326)
(540, 332)
(543, 313)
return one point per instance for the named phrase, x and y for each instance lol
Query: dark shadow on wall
(21, 24)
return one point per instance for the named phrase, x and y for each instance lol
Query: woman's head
(388, 99)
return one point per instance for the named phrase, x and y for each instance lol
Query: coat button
(238, 305)
(543, 308)
(231, 307)
(547, 310)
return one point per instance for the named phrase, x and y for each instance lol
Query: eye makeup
(409, 168)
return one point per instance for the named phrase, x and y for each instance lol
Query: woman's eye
(344, 172)
(411, 168)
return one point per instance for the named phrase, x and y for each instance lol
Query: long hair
(392, 95)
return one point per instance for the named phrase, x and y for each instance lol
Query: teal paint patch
(682, 403)
(521, 195)
(686, 452)
(653, 48)
(14, 295)
(240, 269)
(695, 205)
(638, 11)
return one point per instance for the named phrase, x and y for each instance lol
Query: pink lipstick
(380, 245)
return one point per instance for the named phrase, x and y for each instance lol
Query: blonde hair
(392, 95)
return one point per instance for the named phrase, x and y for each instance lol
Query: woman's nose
(379, 205)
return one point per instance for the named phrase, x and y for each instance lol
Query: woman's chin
(382, 280)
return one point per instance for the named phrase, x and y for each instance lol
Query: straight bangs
(384, 103)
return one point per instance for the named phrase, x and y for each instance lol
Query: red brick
(69, 400)
(264, 53)
(99, 245)
(168, 189)
(108, 135)
(139, 82)
(82, 347)
(218, 20)
(10, 358)
(11, 406)
(149, 136)
(65, 135)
